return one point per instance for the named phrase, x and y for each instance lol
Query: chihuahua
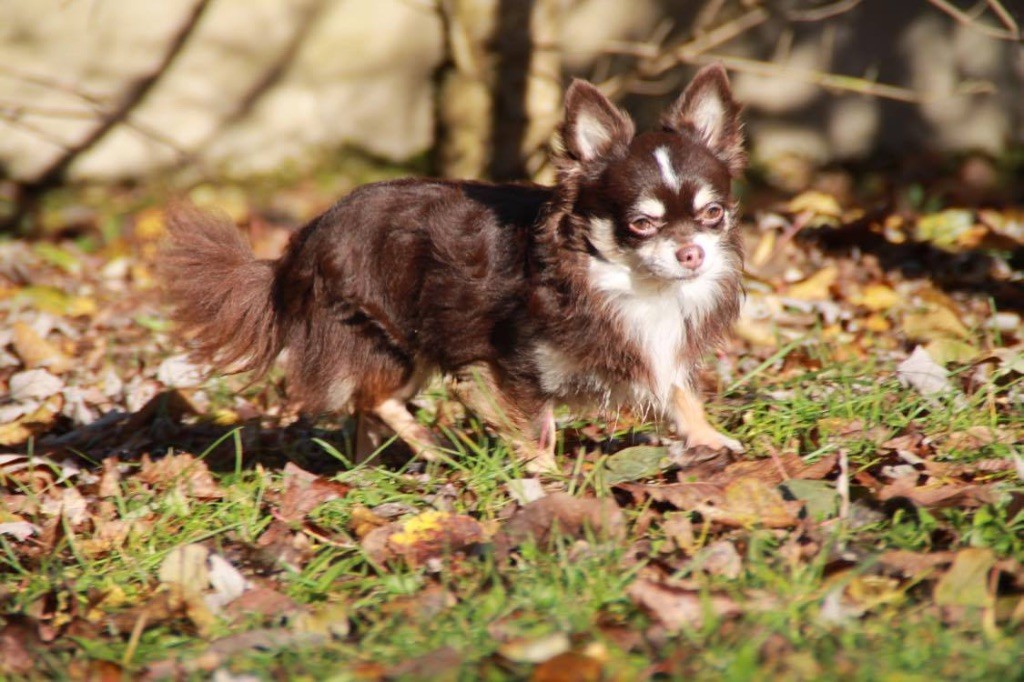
(604, 290)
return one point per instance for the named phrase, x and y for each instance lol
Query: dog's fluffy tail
(221, 295)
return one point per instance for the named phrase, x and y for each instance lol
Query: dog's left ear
(707, 108)
(594, 129)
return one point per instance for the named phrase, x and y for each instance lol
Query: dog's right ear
(594, 128)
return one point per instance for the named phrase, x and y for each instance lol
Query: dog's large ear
(707, 108)
(594, 128)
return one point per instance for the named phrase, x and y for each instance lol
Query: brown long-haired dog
(604, 289)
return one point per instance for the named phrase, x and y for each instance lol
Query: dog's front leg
(692, 423)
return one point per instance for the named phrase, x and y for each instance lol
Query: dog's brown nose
(690, 256)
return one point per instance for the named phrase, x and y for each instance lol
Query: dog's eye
(643, 227)
(711, 214)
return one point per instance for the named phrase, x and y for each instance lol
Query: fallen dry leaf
(683, 496)
(914, 564)
(37, 352)
(679, 607)
(938, 496)
(183, 472)
(569, 666)
(535, 649)
(923, 374)
(17, 639)
(261, 601)
(304, 492)
(34, 384)
(775, 470)
(750, 502)
(966, 583)
(430, 535)
(817, 287)
(565, 515)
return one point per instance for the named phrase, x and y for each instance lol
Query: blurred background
(188, 91)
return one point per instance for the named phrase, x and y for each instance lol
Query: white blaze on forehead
(668, 172)
(704, 196)
(651, 207)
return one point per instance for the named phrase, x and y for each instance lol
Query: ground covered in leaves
(158, 526)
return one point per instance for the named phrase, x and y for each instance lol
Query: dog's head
(659, 203)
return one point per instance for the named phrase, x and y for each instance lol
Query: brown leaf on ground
(16, 639)
(430, 535)
(261, 601)
(684, 496)
(677, 607)
(913, 564)
(35, 351)
(534, 648)
(938, 496)
(775, 470)
(184, 472)
(432, 665)
(304, 492)
(362, 520)
(752, 502)
(561, 513)
(425, 605)
(966, 583)
(570, 666)
(110, 479)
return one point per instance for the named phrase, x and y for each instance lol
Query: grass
(573, 587)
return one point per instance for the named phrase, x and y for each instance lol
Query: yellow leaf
(150, 224)
(81, 306)
(946, 350)
(945, 227)
(755, 332)
(36, 351)
(420, 526)
(938, 322)
(815, 287)
(966, 583)
(817, 203)
(876, 323)
(224, 417)
(877, 297)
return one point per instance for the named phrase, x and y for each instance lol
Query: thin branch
(17, 110)
(99, 106)
(1005, 17)
(704, 42)
(832, 81)
(822, 13)
(967, 20)
(135, 94)
(41, 133)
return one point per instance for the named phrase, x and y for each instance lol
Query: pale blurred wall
(262, 83)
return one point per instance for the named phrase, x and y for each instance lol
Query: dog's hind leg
(531, 433)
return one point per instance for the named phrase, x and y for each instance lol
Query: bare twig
(704, 42)
(832, 81)
(822, 13)
(1005, 17)
(100, 108)
(41, 133)
(135, 93)
(971, 22)
(18, 110)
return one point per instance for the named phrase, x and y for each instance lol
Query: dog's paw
(715, 441)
